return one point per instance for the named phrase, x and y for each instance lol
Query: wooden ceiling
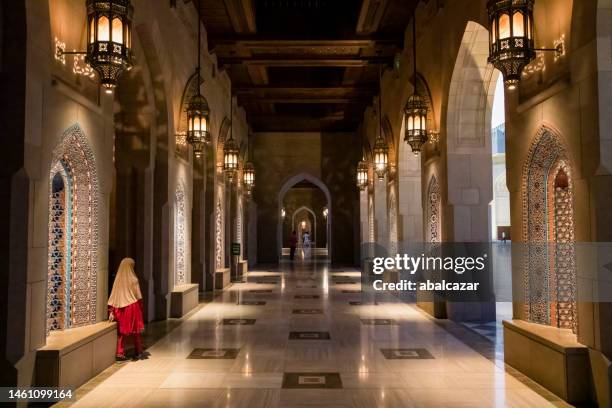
(305, 65)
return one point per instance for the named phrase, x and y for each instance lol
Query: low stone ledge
(550, 356)
(74, 356)
(222, 278)
(183, 299)
(241, 269)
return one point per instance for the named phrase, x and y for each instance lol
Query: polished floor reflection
(305, 336)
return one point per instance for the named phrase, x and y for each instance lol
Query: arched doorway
(476, 159)
(301, 191)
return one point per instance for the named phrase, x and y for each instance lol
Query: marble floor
(304, 335)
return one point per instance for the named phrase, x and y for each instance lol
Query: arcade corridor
(304, 335)
(306, 203)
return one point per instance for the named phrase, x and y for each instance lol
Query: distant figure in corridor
(125, 307)
(293, 241)
(306, 245)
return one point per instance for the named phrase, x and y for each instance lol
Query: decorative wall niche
(219, 234)
(392, 221)
(548, 230)
(180, 226)
(73, 234)
(434, 209)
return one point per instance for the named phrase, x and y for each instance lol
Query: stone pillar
(381, 215)
(198, 224)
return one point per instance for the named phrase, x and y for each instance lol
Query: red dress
(129, 318)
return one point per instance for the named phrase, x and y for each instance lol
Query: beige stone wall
(328, 158)
(569, 95)
(57, 99)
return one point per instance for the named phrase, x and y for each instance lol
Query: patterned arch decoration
(392, 221)
(239, 216)
(548, 230)
(371, 229)
(219, 234)
(434, 209)
(180, 227)
(73, 234)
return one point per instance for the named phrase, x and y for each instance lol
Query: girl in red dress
(125, 307)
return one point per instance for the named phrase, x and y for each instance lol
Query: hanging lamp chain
(414, 51)
(199, 36)
(380, 101)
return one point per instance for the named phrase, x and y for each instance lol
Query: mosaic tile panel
(392, 221)
(60, 229)
(179, 237)
(77, 158)
(219, 235)
(434, 208)
(549, 269)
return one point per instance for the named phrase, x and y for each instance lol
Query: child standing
(125, 307)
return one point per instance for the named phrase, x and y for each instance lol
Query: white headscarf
(126, 289)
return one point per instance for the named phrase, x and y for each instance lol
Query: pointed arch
(314, 217)
(224, 131)
(468, 136)
(290, 182)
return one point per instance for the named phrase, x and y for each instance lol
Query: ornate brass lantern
(198, 135)
(230, 158)
(248, 174)
(416, 122)
(381, 157)
(109, 39)
(198, 112)
(511, 37)
(362, 175)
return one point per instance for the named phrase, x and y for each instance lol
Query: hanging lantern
(198, 135)
(109, 39)
(416, 122)
(230, 158)
(381, 158)
(283, 212)
(325, 212)
(362, 175)
(511, 37)
(248, 174)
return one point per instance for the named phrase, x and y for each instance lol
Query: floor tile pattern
(348, 370)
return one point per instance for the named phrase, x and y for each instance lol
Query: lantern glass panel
(529, 28)
(103, 29)
(518, 24)
(493, 32)
(504, 26)
(117, 30)
(92, 31)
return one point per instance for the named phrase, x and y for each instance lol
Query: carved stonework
(73, 234)
(219, 235)
(434, 209)
(548, 230)
(392, 221)
(179, 237)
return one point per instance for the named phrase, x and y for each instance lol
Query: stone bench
(550, 356)
(241, 269)
(183, 299)
(222, 278)
(74, 356)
